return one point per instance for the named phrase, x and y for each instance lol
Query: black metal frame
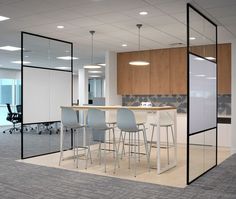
(189, 6)
(22, 76)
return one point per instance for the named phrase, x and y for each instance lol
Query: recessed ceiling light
(95, 71)
(92, 66)
(10, 48)
(210, 58)
(19, 62)
(199, 58)
(26, 56)
(124, 45)
(143, 13)
(60, 27)
(2, 18)
(192, 38)
(102, 64)
(67, 58)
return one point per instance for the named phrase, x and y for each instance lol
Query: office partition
(202, 94)
(47, 84)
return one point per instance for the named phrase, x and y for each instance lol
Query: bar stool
(167, 122)
(126, 123)
(69, 121)
(97, 122)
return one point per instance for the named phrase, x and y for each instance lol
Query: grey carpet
(25, 181)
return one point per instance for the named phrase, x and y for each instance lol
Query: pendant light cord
(92, 33)
(139, 26)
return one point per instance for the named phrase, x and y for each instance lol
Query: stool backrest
(68, 116)
(126, 120)
(96, 119)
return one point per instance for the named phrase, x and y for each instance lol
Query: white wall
(10, 74)
(75, 88)
(83, 86)
(112, 98)
(233, 99)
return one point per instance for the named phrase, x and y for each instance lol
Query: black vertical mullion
(72, 70)
(188, 87)
(22, 112)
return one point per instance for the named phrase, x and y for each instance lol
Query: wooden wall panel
(178, 71)
(140, 74)
(124, 74)
(160, 72)
(224, 69)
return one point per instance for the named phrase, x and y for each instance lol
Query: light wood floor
(174, 177)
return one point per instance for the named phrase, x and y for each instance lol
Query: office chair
(14, 118)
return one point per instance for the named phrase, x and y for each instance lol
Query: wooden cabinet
(140, 74)
(224, 69)
(133, 80)
(160, 72)
(124, 77)
(167, 72)
(178, 71)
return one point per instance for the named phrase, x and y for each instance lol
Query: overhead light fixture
(102, 64)
(92, 65)
(10, 48)
(67, 58)
(95, 71)
(139, 62)
(19, 62)
(210, 58)
(192, 38)
(124, 45)
(60, 27)
(2, 18)
(143, 13)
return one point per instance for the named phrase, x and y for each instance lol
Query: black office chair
(14, 118)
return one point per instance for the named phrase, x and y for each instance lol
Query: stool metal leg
(135, 154)
(153, 128)
(146, 148)
(129, 151)
(167, 146)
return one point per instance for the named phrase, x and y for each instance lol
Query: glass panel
(42, 52)
(202, 153)
(202, 95)
(41, 136)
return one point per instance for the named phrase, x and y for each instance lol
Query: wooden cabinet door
(140, 74)
(178, 70)
(224, 68)
(160, 72)
(124, 74)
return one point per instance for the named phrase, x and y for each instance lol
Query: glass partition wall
(47, 79)
(202, 94)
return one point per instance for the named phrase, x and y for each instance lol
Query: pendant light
(139, 62)
(92, 65)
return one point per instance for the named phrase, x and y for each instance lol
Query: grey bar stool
(69, 120)
(167, 122)
(97, 122)
(126, 123)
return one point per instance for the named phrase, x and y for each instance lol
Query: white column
(233, 98)
(111, 96)
(83, 86)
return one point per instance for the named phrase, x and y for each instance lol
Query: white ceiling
(113, 20)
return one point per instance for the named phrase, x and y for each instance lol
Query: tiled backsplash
(179, 101)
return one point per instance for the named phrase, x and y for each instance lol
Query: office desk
(155, 111)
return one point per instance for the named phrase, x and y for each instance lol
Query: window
(10, 92)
